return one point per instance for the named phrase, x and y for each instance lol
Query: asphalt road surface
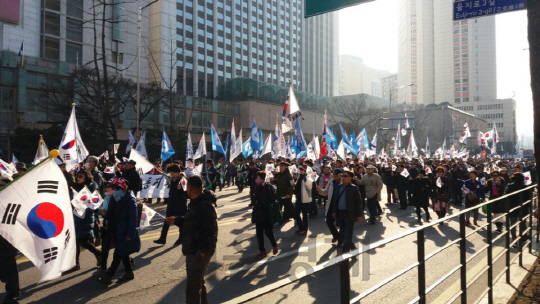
(160, 272)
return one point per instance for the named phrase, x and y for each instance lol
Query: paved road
(234, 270)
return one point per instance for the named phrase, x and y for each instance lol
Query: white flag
(528, 180)
(233, 141)
(95, 200)
(80, 200)
(341, 150)
(189, 148)
(143, 165)
(131, 142)
(267, 145)
(310, 153)
(183, 183)
(238, 146)
(42, 151)
(201, 150)
(146, 216)
(72, 149)
(37, 219)
(141, 145)
(115, 148)
(405, 173)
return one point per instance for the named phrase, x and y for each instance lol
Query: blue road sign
(465, 9)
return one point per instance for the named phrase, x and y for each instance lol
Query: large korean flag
(36, 218)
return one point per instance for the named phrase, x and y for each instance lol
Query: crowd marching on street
(111, 199)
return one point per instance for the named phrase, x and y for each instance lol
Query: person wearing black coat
(264, 196)
(389, 180)
(132, 177)
(515, 200)
(176, 204)
(413, 171)
(212, 175)
(8, 271)
(199, 239)
(402, 185)
(347, 209)
(441, 188)
(457, 177)
(421, 189)
(251, 176)
(496, 186)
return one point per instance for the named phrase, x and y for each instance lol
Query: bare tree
(355, 111)
(98, 87)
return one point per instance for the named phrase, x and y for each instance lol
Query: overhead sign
(465, 9)
(317, 7)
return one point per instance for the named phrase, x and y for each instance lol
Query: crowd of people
(280, 190)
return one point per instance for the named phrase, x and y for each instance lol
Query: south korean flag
(36, 218)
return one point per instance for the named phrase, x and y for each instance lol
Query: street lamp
(401, 87)
(141, 9)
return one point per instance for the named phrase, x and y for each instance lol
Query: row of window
(490, 107)
(491, 116)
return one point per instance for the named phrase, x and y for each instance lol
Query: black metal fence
(527, 210)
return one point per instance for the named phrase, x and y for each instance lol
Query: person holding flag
(176, 203)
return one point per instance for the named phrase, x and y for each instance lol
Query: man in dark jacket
(241, 175)
(284, 190)
(200, 230)
(389, 180)
(8, 271)
(176, 204)
(92, 167)
(347, 209)
(456, 182)
(212, 175)
(132, 177)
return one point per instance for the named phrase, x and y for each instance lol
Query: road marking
(273, 258)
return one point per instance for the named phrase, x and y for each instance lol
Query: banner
(154, 186)
(143, 165)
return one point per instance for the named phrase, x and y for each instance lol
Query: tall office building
(441, 60)
(264, 40)
(356, 77)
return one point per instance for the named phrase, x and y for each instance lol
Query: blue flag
(255, 141)
(226, 147)
(261, 145)
(21, 50)
(216, 143)
(331, 139)
(346, 142)
(299, 141)
(166, 147)
(246, 148)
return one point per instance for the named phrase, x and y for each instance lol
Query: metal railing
(525, 237)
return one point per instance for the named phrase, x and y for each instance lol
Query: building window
(74, 29)
(118, 17)
(50, 48)
(73, 53)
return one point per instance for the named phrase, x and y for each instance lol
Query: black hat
(284, 163)
(338, 171)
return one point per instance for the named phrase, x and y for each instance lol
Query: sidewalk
(524, 284)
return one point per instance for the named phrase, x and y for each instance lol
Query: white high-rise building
(357, 78)
(441, 60)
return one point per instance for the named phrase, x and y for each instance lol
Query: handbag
(471, 196)
(275, 212)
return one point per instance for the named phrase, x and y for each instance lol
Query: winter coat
(499, 205)
(177, 200)
(421, 189)
(387, 178)
(353, 200)
(283, 182)
(84, 227)
(200, 227)
(475, 188)
(133, 179)
(302, 190)
(264, 196)
(518, 198)
(320, 183)
(373, 185)
(329, 191)
(122, 223)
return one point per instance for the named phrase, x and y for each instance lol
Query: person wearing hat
(457, 176)
(373, 184)
(347, 209)
(323, 183)
(302, 191)
(132, 177)
(91, 166)
(122, 230)
(212, 175)
(241, 170)
(504, 175)
(331, 191)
